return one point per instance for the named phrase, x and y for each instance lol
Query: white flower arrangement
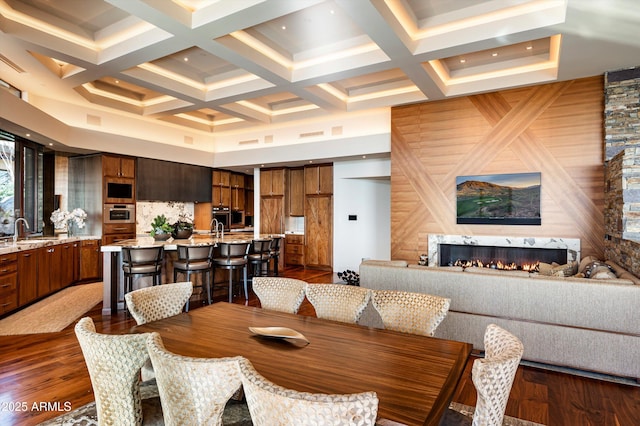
(61, 218)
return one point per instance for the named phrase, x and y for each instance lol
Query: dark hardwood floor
(40, 373)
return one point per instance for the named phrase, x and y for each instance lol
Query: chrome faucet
(214, 222)
(15, 227)
(221, 226)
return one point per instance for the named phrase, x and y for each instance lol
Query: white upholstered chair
(193, 391)
(279, 294)
(408, 312)
(158, 302)
(270, 404)
(114, 363)
(338, 302)
(492, 377)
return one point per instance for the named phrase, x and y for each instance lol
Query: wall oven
(119, 213)
(222, 215)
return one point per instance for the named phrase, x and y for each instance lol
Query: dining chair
(158, 302)
(114, 363)
(279, 294)
(338, 302)
(275, 253)
(416, 313)
(493, 378)
(233, 256)
(193, 391)
(142, 261)
(259, 256)
(196, 259)
(271, 404)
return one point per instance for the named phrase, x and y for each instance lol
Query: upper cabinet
(237, 191)
(168, 181)
(318, 180)
(116, 166)
(221, 188)
(221, 178)
(272, 182)
(296, 192)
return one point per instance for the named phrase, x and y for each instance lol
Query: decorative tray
(278, 333)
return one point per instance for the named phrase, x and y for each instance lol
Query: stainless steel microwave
(119, 213)
(119, 191)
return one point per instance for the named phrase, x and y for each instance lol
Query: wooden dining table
(413, 376)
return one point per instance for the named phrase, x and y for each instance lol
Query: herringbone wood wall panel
(555, 129)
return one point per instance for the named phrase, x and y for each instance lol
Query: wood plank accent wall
(555, 129)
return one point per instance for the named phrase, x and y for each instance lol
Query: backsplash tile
(146, 211)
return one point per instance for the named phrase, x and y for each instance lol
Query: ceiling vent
(94, 120)
(11, 64)
(248, 142)
(311, 134)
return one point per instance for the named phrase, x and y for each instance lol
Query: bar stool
(143, 261)
(275, 253)
(233, 255)
(195, 259)
(259, 255)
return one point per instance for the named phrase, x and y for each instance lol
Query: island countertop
(171, 244)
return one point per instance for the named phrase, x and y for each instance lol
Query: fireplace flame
(500, 265)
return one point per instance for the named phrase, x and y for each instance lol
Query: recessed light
(28, 135)
(332, 12)
(186, 59)
(494, 54)
(310, 161)
(50, 143)
(529, 47)
(462, 61)
(284, 28)
(117, 81)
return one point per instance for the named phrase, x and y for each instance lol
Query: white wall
(361, 188)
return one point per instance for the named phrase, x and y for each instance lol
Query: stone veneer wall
(622, 168)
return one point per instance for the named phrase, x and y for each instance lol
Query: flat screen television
(506, 199)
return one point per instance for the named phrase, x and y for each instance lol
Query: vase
(70, 229)
(162, 237)
(182, 234)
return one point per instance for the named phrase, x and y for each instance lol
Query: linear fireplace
(501, 252)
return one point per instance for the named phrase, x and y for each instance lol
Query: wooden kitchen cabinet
(221, 188)
(221, 178)
(69, 261)
(272, 215)
(296, 192)
(318, 180)
(272, 182)
(27, 276)
(318, 224)
(237, 192)
(90, 260)
(8, 282)
(117, 166)
(112, 233)
(294, 249)
(237, 180)
(49, 270)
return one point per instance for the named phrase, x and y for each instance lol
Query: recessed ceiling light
(311, 161)
(186, 59)
(50, 143)
(462, 61)
(117, 81)
(494, 54)
(364, 156)
(332, 12)
(28, 135)
(529, 47)
(284, 28)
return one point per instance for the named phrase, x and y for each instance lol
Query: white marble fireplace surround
(572, 245)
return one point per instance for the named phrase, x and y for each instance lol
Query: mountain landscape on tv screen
(478, 199)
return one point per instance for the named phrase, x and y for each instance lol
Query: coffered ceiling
(219, 65)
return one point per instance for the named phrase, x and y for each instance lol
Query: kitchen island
(113, 276)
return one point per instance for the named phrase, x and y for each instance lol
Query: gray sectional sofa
(580, 323)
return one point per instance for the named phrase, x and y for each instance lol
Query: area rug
(236, 413)
(55, 312)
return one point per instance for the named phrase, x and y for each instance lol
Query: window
(21, 183)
